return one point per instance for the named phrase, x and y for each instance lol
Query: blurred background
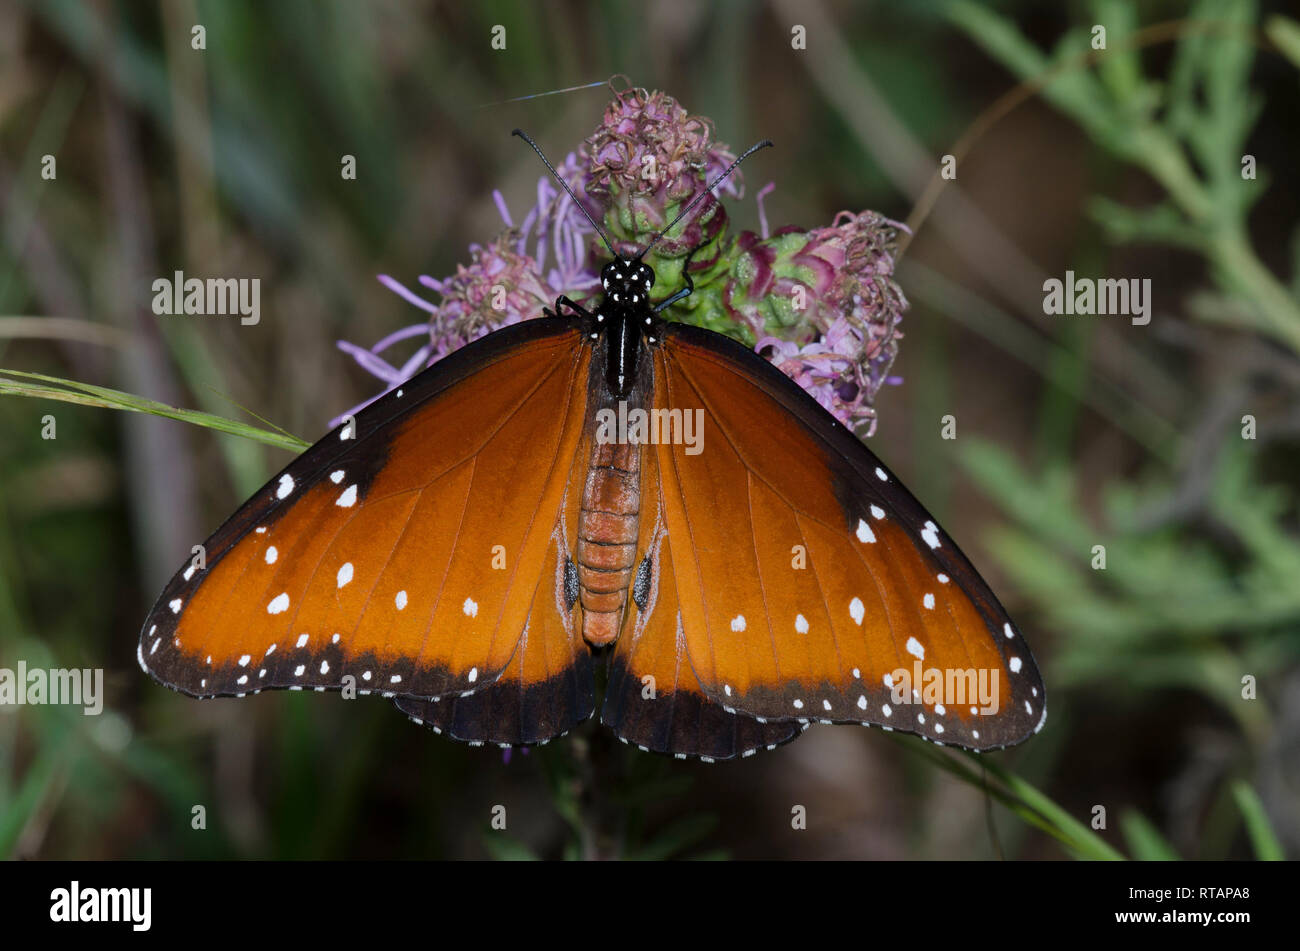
(1072, 432)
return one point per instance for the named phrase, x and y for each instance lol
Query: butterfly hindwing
(653, 698)
(406, 556)
(545, 691)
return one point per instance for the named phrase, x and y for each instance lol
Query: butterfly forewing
(406, 557)
(548, 687)
(808, 578)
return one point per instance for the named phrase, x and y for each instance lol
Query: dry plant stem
(596, 760)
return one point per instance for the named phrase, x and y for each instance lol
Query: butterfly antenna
(538, 95)
(565, 185)
(700, 197)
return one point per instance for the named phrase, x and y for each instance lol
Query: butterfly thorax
(624, 315)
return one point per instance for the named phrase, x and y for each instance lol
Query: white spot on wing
(302, 640)
(738, 623)
(473, 674)
(400, 600)
(928, 601)
(470, 607)
(931, 534)
(880, 474)
(336, 476)
(1006, 629)
(345, 573)
(877, 512)
(865, 534)
(348, 498)
(279, 604)
(285, 487)
(801, 624)
(175, 605)
(915, 649)
(1015, 665)
(271, 555)
(856, 610)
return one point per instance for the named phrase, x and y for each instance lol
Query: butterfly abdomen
(607, 534)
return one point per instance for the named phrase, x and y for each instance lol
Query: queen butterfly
(602, 485)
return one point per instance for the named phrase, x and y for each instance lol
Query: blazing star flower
(821, 304)
(646, 161)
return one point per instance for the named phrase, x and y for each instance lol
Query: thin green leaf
(1144, 839)
(1262, 837)
(1285, 34)
(85, 394)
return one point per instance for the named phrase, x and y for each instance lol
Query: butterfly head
(627, 282)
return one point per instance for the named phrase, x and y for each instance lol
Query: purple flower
(821, 304)
(824, 307)
(646, 160)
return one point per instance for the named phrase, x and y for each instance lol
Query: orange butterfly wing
(807, 577)
(373, 557)
(653, 698)
(547, 689)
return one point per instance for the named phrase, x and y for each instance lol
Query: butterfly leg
(685, 291)
(573, 307)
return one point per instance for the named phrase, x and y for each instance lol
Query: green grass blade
(1262, 837)
(85, 394)
(1144, 839)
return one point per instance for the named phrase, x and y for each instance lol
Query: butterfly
(602, 488)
